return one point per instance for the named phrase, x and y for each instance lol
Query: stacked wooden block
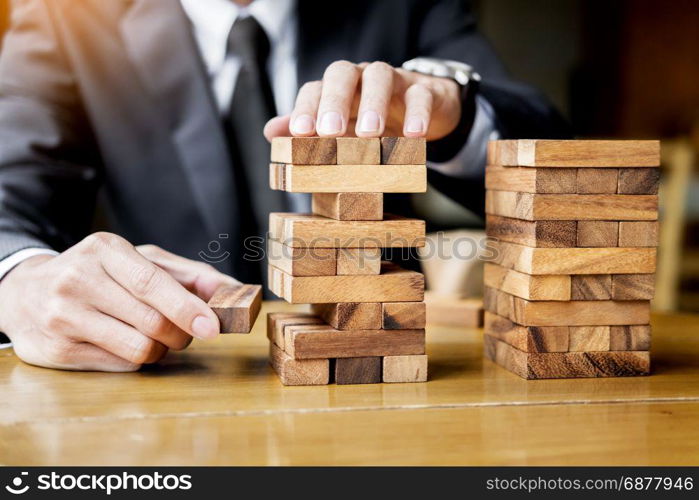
(368, 316)
(574, 227)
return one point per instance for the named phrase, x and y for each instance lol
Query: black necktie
(252, 105)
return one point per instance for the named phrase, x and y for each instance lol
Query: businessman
(158, 107)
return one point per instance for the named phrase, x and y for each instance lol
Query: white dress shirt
(212, 21)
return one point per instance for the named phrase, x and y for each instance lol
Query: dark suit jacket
(113, 94)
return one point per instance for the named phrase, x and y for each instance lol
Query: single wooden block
(639, 181)
(571, 153)
(403, 151)
(351, 315)
(638, 234)
(589, 338)
(598, 233)
(314, 231)
(237, 307)
(526, 286)
(568, 364)
(453, 311)
(358, 151)
(302, 261)
(633, 286)
(543, 233)
(573, 260)
(276, 322)
(531, 180)
(597, 180)
(350, 178)
(397, 369)
(573, 313)
(591, 287)
(630, 338)
(352, 261)
(403, 315)
(578, 207)
(348, 206)
(304, 150)
(527, 338)
(392, 285)
(313, 342)
(299, 371)
(365, 370)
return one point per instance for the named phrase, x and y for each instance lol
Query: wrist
(11, 282)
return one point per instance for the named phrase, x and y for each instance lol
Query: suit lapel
(159, 41)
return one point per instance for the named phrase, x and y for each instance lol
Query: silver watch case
(462, 73)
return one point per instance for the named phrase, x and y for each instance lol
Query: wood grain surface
(348, 178)
(366, 370)
(348, 206)
(573, 313)
(542, 261)
(402, 369)
(571, 153)
(314, 231)
(358, 151)
(392, 285)
(237, 307)
(578, 207)
(304, 150)
(543, 234)
(566, 364)
(351, 315)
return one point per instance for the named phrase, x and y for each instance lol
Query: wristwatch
(469, 81)
(460, 72)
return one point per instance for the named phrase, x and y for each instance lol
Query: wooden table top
(219, 403)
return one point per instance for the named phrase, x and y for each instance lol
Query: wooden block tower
(367, 323)
(575, 228)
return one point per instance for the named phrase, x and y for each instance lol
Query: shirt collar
(213, 19)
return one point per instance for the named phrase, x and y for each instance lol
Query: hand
(106, 305)
(370, 100)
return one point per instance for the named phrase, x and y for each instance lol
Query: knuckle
(60, 352)
(380, 67)
(144, 280)
(341, 66)
(67, 280)
(142, 352)
(98, 241)
(54, 318)
(310, 87)
(154, 324)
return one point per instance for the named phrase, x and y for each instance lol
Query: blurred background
(616, 69)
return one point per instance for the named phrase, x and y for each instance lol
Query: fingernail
(330, 123)
(370, 122)
(204, 328)
(303, 124)
(415, 125)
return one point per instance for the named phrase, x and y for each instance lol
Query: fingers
(113, 301)
(154, 286)
(377, 90)
(277, 127)
(418, 110)
(339, 87)
(303, 118)
(120, 339)
(198, 277)
(68, 355)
